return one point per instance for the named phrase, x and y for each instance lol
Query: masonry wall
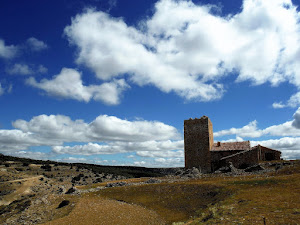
(268, 154)
(217, 155)
(242, 159)
(198, 140)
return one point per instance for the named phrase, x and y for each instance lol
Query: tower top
(202, 118)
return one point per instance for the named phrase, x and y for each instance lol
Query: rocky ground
(36, 193)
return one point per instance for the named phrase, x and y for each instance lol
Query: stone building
(201, 151)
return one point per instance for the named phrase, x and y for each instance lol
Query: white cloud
(278, 105)
(156, 148)
(20, 69)
(112, 49)
(161, 154)
(160, 162)
(36, 45)
(68, 84)
(104, 135)
(296, 121)
(103, 128)
(24, 69)
(140, 163)
(5, 89)
(249, 130)
(293, 102)
(42, 69)
(189, 53)
(7, 52)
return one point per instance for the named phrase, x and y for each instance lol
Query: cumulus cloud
(103, 128)
(104, 135)
(5, 89)
(161, 162)
(293, 102)
(252, 131)
(113, 49)
(190, 53)
(8, 52)
(145, 148)
(24, 69)
(36, 45)
(161, 154)
(20, 69)
(249, 130)
(68, 84)
(296, 121)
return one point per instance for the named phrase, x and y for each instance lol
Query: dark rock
(278, 166)
(71, 190)
(63, 204)
(77, 178)
(5, 192)
(232, 168)
(254, 168)
(98, 180)
(116, 184)
(46, 167)
(152, 181)
(17, 206)
(225, 169)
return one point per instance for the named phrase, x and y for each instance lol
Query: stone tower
(198, 141)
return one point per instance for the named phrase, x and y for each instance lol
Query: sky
(111, 82)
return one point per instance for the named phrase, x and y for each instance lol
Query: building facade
(201, 152)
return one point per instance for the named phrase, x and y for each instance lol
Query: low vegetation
(37, 194)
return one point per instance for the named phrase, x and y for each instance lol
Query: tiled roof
(230, 146)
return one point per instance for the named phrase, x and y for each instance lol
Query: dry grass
(275, 199)
(172, 201)
(92, 209)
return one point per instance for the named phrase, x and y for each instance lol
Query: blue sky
(111, 81)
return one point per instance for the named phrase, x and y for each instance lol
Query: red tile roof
(231, 146)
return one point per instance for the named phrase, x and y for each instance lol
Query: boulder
(71, 190)
(254, 168)
(152, 181)
(63, 204)
(116, 184)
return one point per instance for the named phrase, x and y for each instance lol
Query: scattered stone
(254, 168)
(71, 190)
(63, 204)
(61, 189)
(77, 178)
(232, 168)
(152, 181)
(46, 167)
(98, 180)
(224, 169)
(5, 192)
(116, 184)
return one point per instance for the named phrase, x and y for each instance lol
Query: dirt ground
(64, 194)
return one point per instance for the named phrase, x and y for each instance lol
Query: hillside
(45, 192)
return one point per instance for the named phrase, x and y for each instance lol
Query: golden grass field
(272, 198)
